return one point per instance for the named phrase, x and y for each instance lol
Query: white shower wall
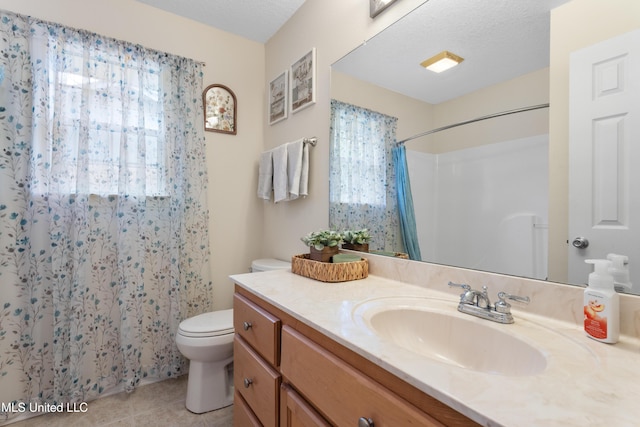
(484, 207)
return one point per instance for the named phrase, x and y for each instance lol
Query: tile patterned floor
(159, 404)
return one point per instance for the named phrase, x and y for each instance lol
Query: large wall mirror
(482, 191)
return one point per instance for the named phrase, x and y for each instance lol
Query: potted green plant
(357, 240)
(322, 244)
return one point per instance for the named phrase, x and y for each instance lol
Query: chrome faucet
(477, 304)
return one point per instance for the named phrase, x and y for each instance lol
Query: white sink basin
(435, 329)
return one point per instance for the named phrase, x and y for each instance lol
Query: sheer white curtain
(362, 188)
(103, 232)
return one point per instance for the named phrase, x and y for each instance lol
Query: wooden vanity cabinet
(256, 354)
(340, 391)
(242, 413)
(257, 382)
(258, 327)
(296, 412)
(321, 383)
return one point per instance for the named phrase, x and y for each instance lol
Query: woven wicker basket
(329, 272)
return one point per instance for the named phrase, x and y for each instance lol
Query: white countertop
(585, 383)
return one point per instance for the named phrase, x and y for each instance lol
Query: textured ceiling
(498, 39)
(255, 20)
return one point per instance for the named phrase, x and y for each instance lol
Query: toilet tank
(267, 264)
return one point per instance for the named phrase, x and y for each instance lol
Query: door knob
(580, 242)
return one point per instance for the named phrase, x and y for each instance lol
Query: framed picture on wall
(220, 109)
(302, 82)
(278, 96)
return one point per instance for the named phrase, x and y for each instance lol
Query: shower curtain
(103, 216)
(405, 204)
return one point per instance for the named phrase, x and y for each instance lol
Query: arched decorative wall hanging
(220, 109)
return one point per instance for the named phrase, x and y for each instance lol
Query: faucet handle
(468, 296)
(503, 306)
(461, 285)
(503, 295)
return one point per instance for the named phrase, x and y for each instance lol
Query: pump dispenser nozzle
(601, 277)
(620, 272)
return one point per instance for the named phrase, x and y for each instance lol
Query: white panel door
(604, 165)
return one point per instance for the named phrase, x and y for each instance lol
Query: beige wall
(235, 214)
(575, 25)
(523, 91)
(333, 27)
(413, 116)
(243, 228)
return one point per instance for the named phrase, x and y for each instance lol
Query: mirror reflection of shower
(461, 223)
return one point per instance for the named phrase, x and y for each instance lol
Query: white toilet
(267, 264)
(207, 341)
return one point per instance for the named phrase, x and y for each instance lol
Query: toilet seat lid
(209, 324)
(268, 264)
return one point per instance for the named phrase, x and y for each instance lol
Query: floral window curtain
(362, 189)
(103, 215)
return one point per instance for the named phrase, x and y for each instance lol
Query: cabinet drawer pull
(247, 326)
(247, 382)
(365, 422)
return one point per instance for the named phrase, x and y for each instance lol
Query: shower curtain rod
(466, 122)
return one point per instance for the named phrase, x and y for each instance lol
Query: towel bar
(313, 141)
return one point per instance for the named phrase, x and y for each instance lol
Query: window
(360, 155)
(106, 123)
(362, 189)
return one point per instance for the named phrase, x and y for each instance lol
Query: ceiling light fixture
(442, 61)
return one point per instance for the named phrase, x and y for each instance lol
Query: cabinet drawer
(258, 327)
(339, 392)
(296, 412)
(242, 414)
(257, 382)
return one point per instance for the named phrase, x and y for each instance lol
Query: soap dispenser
(620, 272)
(601, 304)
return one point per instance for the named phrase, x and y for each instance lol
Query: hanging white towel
(304, 172)
(265, 176)
(280, 181)
(294, 167)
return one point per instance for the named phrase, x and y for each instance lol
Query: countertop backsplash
(548, 299)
